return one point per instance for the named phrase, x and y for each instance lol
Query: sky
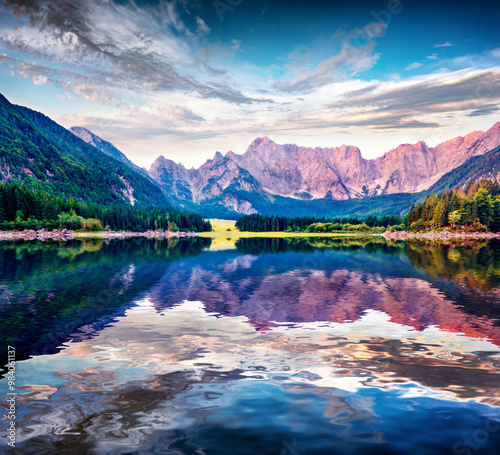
(187, 78)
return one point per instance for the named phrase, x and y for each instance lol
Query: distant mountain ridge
(260, 178)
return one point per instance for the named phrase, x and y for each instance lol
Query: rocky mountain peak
(495, 128)
(259, 142)
(83, 133)
(348, 151)
(161, 163)
(408, 148)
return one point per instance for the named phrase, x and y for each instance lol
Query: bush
(91, 224)
(418, 225)
(357, 227)
(396, 227)
(70, 221)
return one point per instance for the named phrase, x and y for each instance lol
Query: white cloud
(186, 98)
(348, 62)
(202, 28)
(413, 66)
(39, 80)
(121, 47)
(446, 44)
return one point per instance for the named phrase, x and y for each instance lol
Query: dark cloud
(106, 58)
(459, 92)
(484, 110)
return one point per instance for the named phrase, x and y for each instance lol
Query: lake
(273, 346)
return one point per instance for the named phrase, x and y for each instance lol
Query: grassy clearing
(221, 234)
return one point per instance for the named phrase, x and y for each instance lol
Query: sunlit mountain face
(309, 345)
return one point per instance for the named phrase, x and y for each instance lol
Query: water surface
(280, 346)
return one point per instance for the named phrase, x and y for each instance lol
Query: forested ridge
(43, 155)
(23, 208)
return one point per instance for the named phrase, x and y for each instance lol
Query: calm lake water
(278, 346)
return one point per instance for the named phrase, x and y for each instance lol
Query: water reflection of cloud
(136, 376)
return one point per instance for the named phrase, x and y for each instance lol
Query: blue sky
(186, 78)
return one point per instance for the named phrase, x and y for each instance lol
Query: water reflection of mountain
(336, 284)
(50, 291)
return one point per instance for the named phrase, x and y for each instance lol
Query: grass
(222, 238)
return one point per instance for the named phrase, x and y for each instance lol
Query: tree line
(23, 208)
(269, 223)
(475, 207)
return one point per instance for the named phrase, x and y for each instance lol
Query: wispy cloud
(413, 66)
(446, 44)
(444, 94)
(202, 28)
(357, 54)
(165, 74)
(349, 61)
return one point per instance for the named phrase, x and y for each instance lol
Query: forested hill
(475, 207)
(43, 155)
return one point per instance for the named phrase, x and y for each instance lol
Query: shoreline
(442, 235)
(65, 234)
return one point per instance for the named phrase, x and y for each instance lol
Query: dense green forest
(477, 207)
(22, 208)
(266, 223)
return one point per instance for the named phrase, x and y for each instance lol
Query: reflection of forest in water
(51, 292)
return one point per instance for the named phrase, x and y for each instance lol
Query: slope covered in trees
(43, 155)
(477, 168)
(477, 206)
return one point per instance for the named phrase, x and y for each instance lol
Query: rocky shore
(65, 234)
(440, 235)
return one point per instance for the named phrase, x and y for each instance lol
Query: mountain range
(267, 178)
